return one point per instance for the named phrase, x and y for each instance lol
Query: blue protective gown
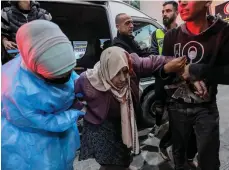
(39, 129)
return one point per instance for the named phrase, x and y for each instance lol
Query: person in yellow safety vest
(160, 37)
(169, 14)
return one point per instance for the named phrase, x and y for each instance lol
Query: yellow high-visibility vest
(160, 37)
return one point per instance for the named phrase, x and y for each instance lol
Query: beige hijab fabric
(112, 60)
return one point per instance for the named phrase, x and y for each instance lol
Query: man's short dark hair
(174, 3)
(117, 18)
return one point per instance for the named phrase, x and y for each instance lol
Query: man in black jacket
(169, 14)
(13, 17)
(205, 41)
(125, 39)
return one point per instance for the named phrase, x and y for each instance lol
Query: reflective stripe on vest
(160, 37)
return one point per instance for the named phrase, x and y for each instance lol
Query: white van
(88, 24)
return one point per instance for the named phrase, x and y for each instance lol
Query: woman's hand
(176, 65)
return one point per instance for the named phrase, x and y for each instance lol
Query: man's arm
(216, 74)
(5, 26)
(6, 31)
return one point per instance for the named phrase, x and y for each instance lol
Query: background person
(13, 17)
(125, 39)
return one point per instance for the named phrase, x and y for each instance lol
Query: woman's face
(121, 78)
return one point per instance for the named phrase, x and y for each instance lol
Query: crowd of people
(42, 96)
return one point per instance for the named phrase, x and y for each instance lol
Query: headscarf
(45, 49)
(112, 60)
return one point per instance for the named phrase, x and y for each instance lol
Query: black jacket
(130, 45)
(207, 54)
(13, 18)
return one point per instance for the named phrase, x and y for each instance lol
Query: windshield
(142, 34)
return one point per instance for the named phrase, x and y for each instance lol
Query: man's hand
(176, 65)
(9, 45)
(201, 89)
(186, 74)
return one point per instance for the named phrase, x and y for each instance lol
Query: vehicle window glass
(80, 47)
(102, 42)
(143, 32)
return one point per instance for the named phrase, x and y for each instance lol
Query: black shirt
(208, 54)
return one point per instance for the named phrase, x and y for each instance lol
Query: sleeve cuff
(162, 74)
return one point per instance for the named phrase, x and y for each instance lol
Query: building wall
(215, 3)
(154, 8)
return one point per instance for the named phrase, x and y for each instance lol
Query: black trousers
(204, 119)
(166, 141)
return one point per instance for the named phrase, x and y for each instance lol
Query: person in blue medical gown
(38, 125)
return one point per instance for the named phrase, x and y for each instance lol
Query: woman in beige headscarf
(111, 91)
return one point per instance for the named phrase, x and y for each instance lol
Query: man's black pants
(166, 141)
(204, 119)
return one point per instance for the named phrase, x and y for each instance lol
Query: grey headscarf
(45, 49)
